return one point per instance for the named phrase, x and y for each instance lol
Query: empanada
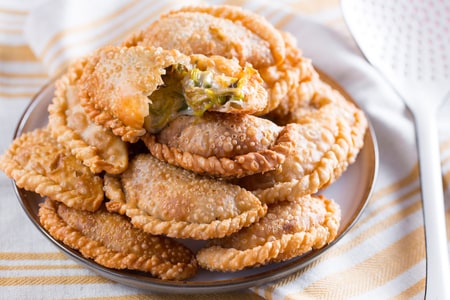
(224, 30)
(289, 229)
(284, 78)
(233, 32)
(140, 89)
(218, 144)
(95, 145)
(110, 240)
(163, 199)
(328, 132)
(39, 164)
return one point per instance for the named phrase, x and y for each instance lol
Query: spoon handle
(437, 258)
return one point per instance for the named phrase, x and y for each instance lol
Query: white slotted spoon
(408, 41)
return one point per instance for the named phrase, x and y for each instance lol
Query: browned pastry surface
(228, 31)
(140, 89)
(163, 199)
(116, 82)
(328, 132)
(95, 145)
(209, 124)
(222, 144)
(289, 229)
(113, 242)
(38, 163)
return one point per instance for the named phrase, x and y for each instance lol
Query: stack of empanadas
(207, 125)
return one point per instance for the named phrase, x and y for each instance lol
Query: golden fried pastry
(96, 146)
(234, 33)
(221, 144)
(289, 229)
(140, 89)
(224, 30)
(284, 79)
(163, 199)
(111, 241)
(39, 164)
(328, 132)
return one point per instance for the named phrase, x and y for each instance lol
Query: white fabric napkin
(381, 257)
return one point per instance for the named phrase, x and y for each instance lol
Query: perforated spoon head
(408, 41)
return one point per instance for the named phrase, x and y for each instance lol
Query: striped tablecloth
(382, 257)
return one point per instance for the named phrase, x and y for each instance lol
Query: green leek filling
(191, 92)
(203, 91)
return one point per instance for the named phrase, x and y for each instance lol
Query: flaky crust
(284, 78)
(39, 164)
(288, 230)
(96, 146)
(224, 30)
(222, 144)
(329, 133)
(113, 242)
(116, 82)
(234, 33)
(163, 199)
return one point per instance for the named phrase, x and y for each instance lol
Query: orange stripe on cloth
(32, 256)
(383, 224)
(408, 179)
(286, 19)
(445, 145)
(10, 11)
(16, 53)
(16, 95)
(23, 75)
(39, 267)
(235, 2)
(341, 248)
(371, 273)
(86, 27)
(11, 31)
(51, 280)
(139, 25)
(119, 36)
(412, 291)
(239, 295)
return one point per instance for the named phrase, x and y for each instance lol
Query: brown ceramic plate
(358, 179)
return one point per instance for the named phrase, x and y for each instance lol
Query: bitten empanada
(218, 144)
(289, 229)
(110, 240)
(140, 89)
(233, 32)
(39, 164)
(163, 199)
(96, 146)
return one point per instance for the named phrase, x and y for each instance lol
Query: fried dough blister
(208, 125)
